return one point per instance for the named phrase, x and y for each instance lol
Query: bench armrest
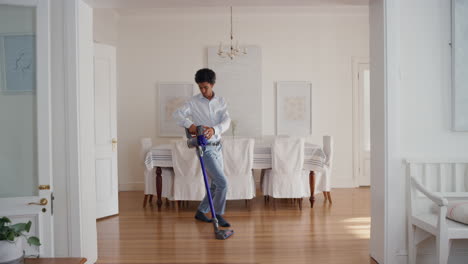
(436, 198)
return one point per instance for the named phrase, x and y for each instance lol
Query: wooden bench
(430, 185)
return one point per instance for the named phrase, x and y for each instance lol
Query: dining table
(160, 156)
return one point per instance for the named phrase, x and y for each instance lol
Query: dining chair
(324, 182)
(287, 178)
(167, 175)
(150, 179)
(238, 156)
(188, 178)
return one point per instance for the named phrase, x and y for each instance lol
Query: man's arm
(181, 115)
(223, 126)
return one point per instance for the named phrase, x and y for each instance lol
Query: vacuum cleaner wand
(199, 142)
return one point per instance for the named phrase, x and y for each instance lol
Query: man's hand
(209, 132)
(193, 129)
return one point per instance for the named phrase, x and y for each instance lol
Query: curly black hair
(205, 75)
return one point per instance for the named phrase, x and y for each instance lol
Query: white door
(25, 119)
(364, 124)
(105, 120)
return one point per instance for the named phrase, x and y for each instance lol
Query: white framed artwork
(459, 65)
(293, 108)
(172, 95)
(239, 81)
(18, 63)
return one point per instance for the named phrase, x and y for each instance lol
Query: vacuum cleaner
(198, 143)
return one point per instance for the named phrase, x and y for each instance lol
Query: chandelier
(233, 51)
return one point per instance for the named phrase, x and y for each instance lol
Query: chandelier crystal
(233, 51)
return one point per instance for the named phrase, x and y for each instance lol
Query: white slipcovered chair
(188, 178)
(167, 175)
(287, 178)
(238, 164)
(323, 179)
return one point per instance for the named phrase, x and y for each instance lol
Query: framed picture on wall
(234, 80)
(293, 108)
(459, 65)
(18, 63)
(172, 95)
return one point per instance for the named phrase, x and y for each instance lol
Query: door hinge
(52, 203)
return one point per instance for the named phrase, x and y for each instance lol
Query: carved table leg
(159, 186)
(145, 200)
(329, 197)
(312, 188)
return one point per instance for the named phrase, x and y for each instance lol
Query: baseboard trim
(342, 183)
(131, 186)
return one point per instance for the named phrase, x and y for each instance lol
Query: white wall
(426, 73)
(105, 26)
(423, 107)
(377, 103)
(426, 70)
(312, 44)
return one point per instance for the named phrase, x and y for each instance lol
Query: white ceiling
(218, 3)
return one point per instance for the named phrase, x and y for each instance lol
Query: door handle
(114, 144)
(42, 202)
(44, 187)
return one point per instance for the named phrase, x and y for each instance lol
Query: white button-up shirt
(203, 112)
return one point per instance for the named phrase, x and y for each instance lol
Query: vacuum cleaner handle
(200, 131)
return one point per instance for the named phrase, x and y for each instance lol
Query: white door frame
(384, 120)
(386, 162)
(79, 108)
(356, 61)
(71, 56)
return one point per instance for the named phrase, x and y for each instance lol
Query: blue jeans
(213, 159)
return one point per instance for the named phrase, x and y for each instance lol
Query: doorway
(361, 121)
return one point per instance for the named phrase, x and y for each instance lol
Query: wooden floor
(325, 234)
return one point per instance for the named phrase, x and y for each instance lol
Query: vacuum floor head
(223, 234)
